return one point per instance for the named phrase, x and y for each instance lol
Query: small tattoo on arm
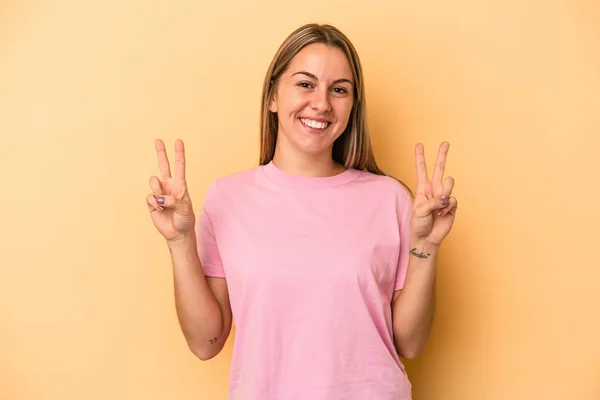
(420, 255)
(213, 340)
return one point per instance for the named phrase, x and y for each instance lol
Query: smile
(314, 124)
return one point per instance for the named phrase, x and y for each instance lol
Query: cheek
(296, 104)
(290, 102)
(343, 109)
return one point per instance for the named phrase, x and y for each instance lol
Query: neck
(317, 165)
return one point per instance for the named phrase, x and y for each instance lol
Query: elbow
(203, 356)
(409, 350)
(409, 353)
(202, 353)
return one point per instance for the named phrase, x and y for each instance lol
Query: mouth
(314, 124)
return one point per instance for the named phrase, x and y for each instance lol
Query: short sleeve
(404, 213)
(208, 250)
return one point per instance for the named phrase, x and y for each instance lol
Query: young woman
(325, 263)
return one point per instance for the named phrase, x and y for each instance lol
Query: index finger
(163, 160)
(421, 167)
(179, 159)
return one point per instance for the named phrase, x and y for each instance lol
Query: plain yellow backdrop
(86, 300)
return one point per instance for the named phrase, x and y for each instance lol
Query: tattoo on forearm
(213, 340)
(420, 255)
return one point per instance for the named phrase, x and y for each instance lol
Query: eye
(340, 90)
(305, 85)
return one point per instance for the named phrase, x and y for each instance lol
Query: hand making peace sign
(170, 205)
(434, 207)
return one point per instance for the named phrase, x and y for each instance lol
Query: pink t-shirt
(311, 266)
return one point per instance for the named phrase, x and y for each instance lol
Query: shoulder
(385, 185)
(234, 183)
(235, 180)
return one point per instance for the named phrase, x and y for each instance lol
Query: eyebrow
(316, 79)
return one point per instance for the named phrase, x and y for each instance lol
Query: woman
(326, 264)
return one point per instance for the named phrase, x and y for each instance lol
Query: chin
(314, 151)
(313, 146)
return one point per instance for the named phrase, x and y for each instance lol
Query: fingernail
(161, 208)
(440, 213)
(445, 202)
(160, 200)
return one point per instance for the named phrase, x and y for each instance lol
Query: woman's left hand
(434, 207)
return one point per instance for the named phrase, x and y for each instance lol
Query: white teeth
(314, 124)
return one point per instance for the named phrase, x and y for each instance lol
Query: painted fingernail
(161, 208)
(160, 200)
(445, 202)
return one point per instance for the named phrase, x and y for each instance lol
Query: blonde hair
(353, 148)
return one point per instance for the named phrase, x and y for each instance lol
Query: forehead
(326, 62)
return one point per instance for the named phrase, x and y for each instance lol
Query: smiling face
(313, 101)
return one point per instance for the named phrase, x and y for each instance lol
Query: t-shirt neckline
(304, 182)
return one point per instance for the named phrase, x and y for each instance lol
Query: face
(314, 99)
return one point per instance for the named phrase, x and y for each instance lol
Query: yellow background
(86, 300)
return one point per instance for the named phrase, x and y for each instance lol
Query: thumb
(179, 206)
(435, 204)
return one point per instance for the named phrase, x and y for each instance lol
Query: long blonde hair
(353, 148)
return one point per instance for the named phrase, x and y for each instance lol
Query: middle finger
(440, 165)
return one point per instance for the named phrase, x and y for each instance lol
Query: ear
(273, 103)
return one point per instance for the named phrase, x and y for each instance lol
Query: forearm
(198, 310)
(413, 308)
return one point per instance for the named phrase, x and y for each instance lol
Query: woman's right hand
(170, 205)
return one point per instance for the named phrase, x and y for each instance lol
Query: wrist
(182, 242)
(422, 248)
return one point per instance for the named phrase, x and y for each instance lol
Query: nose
(320, 101)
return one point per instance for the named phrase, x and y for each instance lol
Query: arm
(431, 220)
(202, 303)
(413, 306)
